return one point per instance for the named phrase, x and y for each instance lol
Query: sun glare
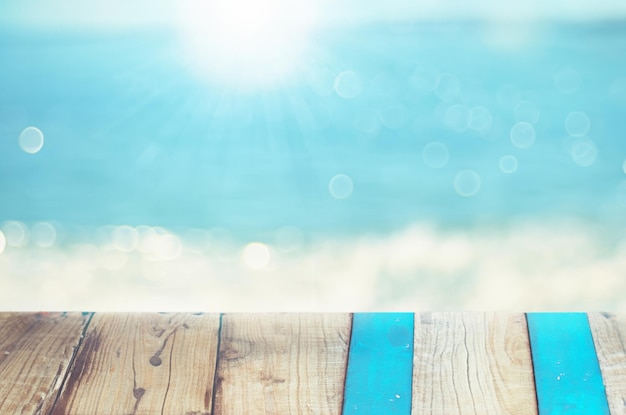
(248, 44)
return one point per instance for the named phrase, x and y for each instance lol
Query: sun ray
(247, 44)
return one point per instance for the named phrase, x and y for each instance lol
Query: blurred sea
(452, 164)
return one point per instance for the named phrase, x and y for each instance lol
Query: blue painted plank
(567, 373)
(380, 364)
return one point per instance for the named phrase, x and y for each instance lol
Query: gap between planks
(143, 364)
(71, 362)
(462, 332)
(36, 351)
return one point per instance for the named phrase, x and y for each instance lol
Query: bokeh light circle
(481, 119)
(340, 186)
(448, 87)
(508, 164)
(16, 233)
(125, 238)
(256, 255)
(43, 234)
(584, 152)
(467, 183)
(458, 117)
(31, 140)
(523, 135)
(348, 84)
(577, 123)
(435, 155)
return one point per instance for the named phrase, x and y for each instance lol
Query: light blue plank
(380, 365)
(567, 373)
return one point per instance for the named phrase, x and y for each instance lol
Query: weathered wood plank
(609, 335)
(380, 364)
(472, 363)
(143, 364)
(282, 364)
(567, 373)
(35, 352)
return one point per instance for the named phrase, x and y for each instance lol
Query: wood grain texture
(35, 352)
(472, 363)
(143, 364)
(609, 336)
(282, 364)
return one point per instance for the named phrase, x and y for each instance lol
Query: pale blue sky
(105, 14)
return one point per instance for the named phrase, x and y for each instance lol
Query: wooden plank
(380, 364)
(471, 363)
(35, 352)
(567, 373)
(143, 364)
(609, 336)
(282, 364)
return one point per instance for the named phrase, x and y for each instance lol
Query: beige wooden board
(143, 364)
(609, 336)
(35, 351)
(472, 363)
(282, 364)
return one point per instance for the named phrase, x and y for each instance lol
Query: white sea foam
(524, 265)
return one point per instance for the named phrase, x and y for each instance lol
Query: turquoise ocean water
(390, 164)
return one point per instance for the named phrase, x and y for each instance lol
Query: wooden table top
(362, 363)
